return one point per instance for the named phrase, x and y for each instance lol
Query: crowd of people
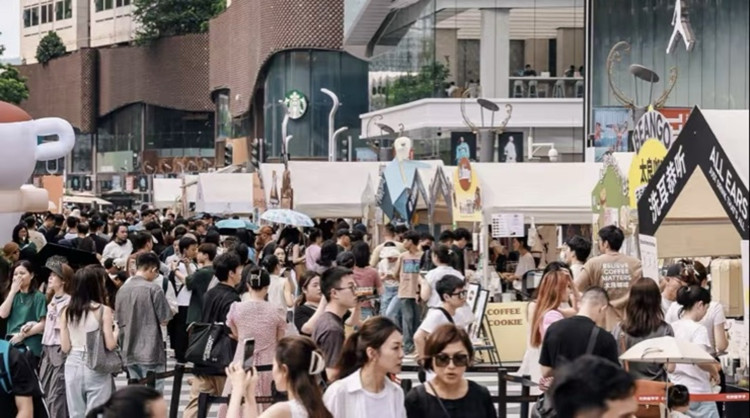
(335, 317)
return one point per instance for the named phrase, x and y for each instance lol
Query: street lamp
(486, 133)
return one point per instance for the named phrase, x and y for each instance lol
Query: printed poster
(649, 257)
(610, 130)
(510, 147)
(467, 196)
(463, 145)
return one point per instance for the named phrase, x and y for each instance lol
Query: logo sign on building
(652, 125)
(696, 148)
(642, 168)
(296, 104)
(677, 117)
(467, 200)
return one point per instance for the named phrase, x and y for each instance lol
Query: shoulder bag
(644, 388)
(543, 407)
(100, 359)
(209, 345)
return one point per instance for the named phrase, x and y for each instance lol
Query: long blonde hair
(553, 291)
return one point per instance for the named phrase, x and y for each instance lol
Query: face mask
(425, 247)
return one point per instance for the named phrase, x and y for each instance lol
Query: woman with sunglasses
(448, 352)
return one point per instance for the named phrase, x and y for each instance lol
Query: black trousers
(178, 337)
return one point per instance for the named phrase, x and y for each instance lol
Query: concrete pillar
(495, 53)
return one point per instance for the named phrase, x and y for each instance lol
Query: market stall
(696, 203)
(225, 193)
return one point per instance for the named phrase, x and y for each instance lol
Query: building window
(47, 15)
(63, 10)
(26, 18)
(34, 16)
(104, 5)
(108, 4)
(126, 2)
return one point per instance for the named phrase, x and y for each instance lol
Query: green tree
(427, 83)
(13, 87)
(162, 18)
(50, 47)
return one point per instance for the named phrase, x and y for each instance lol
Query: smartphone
(247, 362)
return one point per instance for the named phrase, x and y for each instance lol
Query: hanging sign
(697, 147)
(507, 225)
(642, 168)
(467, 201)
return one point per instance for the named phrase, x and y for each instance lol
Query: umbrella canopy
(76, 258)
(234, 224)
(667, 350)
(287, 217)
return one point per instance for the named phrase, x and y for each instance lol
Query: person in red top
(368, 280)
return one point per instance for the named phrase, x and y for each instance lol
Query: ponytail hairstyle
(443, 253)
(689, 296)
(304, 363)
(374, 332)
(304, 281)
(130, 401)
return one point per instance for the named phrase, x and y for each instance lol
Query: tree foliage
(50, 47)
(162, 18)
(429, 82)
(12, 85)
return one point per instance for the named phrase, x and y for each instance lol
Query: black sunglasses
(459, 360)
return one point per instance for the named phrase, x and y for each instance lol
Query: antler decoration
(615, 56)
(369, 122)
(508, 110)
(468, 123)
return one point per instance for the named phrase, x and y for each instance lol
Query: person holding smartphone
(26, 310)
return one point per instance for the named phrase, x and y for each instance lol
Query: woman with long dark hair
(26, 310)
(85, 388)
(310, 304)
(695, 302)
(369, 358)
(296, 369)
(132, 401)
(52, 371)
(21, 237)
(644, 320)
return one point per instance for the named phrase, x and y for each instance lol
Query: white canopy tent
(326, 190)
(85, 199)
(168, 192)
(551, 193)
(225, 193)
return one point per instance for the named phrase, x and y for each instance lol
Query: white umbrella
(667, 350)
(286, 217)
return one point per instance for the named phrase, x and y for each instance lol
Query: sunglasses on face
(459, 360)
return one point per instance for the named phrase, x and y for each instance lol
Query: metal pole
(338, 132)
(486, 137)
(351, 147)
(284, 124)
(331, 119)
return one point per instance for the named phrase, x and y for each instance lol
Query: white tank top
(297, 409)
(78, 330)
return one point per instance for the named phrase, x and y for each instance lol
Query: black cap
(343, 232)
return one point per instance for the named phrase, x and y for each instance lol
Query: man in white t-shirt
(450, 290)
(464, 315)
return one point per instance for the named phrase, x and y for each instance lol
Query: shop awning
(225, 193)
(85, 200)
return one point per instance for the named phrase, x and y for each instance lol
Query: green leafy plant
(162, 18)
(13, 87)
(428, 82)
(50, 47)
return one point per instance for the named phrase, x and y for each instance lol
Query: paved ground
(488, 380)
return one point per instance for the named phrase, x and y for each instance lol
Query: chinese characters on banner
(666, 185)
(643, 167)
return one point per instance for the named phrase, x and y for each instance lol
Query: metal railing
(205, 400)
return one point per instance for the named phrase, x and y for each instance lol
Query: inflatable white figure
(18, 135)
(399, 175)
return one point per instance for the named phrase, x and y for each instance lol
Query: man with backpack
(20, 392)
(451, 291)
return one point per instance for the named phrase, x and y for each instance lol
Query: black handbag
(209, 345)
